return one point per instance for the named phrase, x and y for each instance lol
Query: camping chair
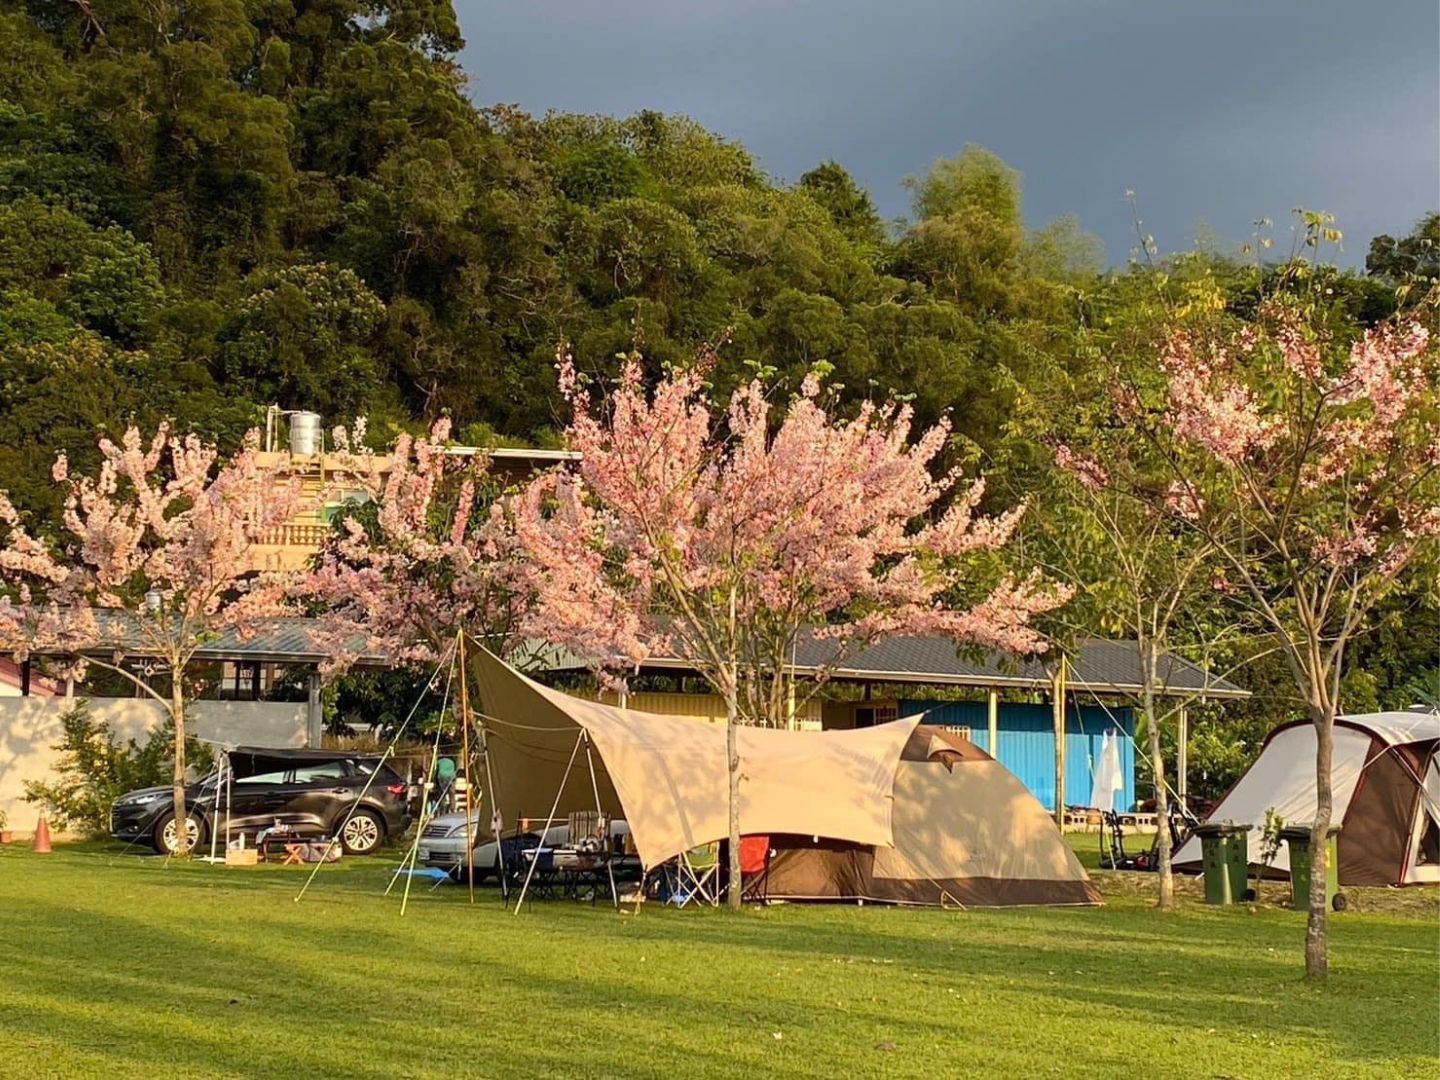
(754, 866)
(697, 876)
(1115, 859)
(1180, 824)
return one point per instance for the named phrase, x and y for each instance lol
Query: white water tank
(304, 433)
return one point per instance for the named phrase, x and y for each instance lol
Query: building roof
(1096, 664)
(294, 640)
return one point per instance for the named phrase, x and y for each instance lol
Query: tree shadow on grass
(567, 983)
(126, 1009)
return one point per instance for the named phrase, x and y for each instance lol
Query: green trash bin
(1225, 855)
(1298, 839)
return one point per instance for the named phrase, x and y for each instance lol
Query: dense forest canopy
(208, 207)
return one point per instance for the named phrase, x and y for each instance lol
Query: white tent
(1386, 784)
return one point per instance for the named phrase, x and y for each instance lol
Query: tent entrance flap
(667, 775)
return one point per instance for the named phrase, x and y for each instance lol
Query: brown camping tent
(1385, 780)
(967, 832)
(896, 813)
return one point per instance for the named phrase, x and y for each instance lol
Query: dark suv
(312, 792)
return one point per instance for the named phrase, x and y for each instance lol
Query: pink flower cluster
(433, 563)
(1087, 470)
(691, 530)
(162, 517)
(1347, 448)
(1211, 408)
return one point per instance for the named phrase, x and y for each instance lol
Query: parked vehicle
(442, 844)
(311, 792)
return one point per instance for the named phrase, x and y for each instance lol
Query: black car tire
(165, 824)
(362, 833)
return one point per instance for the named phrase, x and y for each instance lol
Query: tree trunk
(732, 754)
(177, 716)
(1317, 949)
(1162, 806)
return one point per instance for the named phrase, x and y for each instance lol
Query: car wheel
(482, 873)
(166, 833)
(362, 833)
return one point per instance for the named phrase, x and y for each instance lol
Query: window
(324, 770)
(880, 713)
(262, 778)
(244, 680)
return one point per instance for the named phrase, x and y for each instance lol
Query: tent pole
(386, 756)
(497, 822)
(1182, 756)
(1057, 695)
(425, 804)
(465, 756)
(600, 813)
(554, 807)
(229, 796)
(219, 776)
(424, 817)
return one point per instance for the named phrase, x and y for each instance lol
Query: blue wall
(1027, 743)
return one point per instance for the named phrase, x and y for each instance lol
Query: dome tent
(966, 833)
(1386, 785)
(895, 813)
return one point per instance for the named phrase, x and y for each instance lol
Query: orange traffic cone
(42, 837)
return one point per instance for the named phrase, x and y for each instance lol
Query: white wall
(30, 728)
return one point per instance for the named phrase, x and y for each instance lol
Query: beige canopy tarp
(666, 775)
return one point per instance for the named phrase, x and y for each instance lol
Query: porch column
(1057, 704)
(992, 716)
(1182, 756)
(314, 713)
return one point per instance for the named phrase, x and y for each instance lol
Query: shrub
(96, 768)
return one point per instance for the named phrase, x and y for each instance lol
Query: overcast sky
(1221, 111)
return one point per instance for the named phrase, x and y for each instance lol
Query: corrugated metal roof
(293, 640)
(1096, 664)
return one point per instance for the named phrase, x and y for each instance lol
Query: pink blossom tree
(1138, 572)
(1312, 465)
(164, 532)
(422, 555)
(722, 537)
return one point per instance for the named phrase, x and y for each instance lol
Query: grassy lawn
(114, 964)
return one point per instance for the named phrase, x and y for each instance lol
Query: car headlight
(142, 800)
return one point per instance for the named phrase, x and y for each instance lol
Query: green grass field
(117, 965)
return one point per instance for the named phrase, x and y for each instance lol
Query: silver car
(442, 843)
